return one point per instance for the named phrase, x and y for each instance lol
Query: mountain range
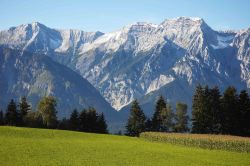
(141, 61)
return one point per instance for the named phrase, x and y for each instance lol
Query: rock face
(35, 76)
(144, 60)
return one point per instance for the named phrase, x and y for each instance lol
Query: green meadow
(27, 146)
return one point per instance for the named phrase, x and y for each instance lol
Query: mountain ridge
(142, 59)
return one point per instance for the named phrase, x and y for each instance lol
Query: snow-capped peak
(141, 24)
(184, 20)
(194, 19)
(143, 58)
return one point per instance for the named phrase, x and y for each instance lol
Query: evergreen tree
(83, 121)
(88, 120)
(74, 120)
(244, 108)
(136, 122)
(24, 108)
(1, 118)
(11, 116)
(214, 114)
(47, 109)
(206, 114)
(230, 111)
(198, 116)
(101, 124)
(181, 118)
(92, 117)
(157, 120)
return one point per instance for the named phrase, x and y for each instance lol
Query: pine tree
(157, 120)
(47, 109)
(88, 120)
(230, 111)
(196, 110)
(215, 110)
(198, 116)
(74, 120)
(101, 124)
(1, 118)
(24, 108)
(207, 113)
(244, 108)
(206, 110)
(181, 118)
(92, 117)
(11, 116)
(83, 120)
(137, 119)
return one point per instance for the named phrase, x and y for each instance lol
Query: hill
(26, 146)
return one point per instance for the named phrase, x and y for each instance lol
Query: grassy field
(23, 146)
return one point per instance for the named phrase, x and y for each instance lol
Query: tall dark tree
(101, 124)
(83, 120)
(11, 117)
(74, 120)
(181, 118)
(24, 108)
(92, 117)
(47, 109)
(198, 116)
(88, 120)
(157, 120)
(213, 111)
(230, 111)
(206, 110)
(244, 108)
(136, 121)
(1, 118)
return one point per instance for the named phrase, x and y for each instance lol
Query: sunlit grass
(26, 146)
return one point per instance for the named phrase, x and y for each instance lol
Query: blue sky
(110, 15)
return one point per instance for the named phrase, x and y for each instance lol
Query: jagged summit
(184, 22)
(187, 18)
(143, 60)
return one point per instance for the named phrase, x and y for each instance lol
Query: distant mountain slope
(144, 60)
(35, 76)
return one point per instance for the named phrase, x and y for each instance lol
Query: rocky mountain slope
(35, 76)
(144, 60)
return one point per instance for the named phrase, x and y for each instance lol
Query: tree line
(45, 116)
(216, 113)
(163, 120)
(212, 113)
